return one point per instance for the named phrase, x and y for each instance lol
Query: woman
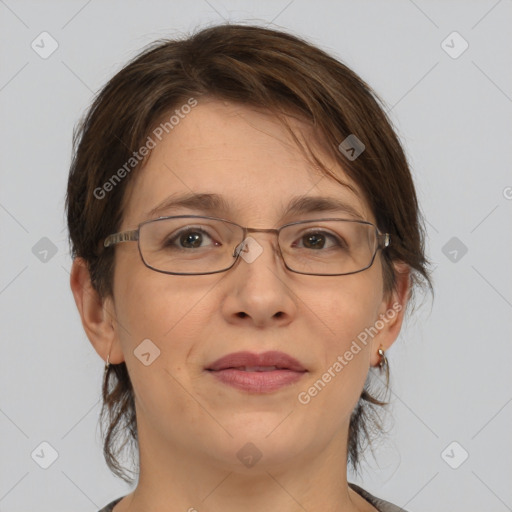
(246, 237)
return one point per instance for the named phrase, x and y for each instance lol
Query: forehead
(246, 159)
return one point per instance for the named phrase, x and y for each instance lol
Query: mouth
(252, 362)
(257, 373)
(257, 368)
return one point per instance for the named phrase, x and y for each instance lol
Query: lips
(250, 362)
(257, 373)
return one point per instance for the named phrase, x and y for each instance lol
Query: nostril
(242, 314)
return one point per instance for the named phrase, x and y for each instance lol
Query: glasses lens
(189, 245)
(201, 245)
(328, 247)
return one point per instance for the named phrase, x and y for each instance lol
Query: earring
(383, 359)
(107, 364)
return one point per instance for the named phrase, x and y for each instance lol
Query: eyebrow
(215, 204)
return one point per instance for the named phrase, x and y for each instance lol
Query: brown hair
(255, 66)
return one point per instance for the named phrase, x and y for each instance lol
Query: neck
(175, 478)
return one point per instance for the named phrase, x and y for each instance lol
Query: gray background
(451, 365)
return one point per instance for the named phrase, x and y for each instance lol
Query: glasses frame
(383, 241)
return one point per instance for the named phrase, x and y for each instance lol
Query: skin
(190, 425)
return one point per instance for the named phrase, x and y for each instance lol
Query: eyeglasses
(196, 245)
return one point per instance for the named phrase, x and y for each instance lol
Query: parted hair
(263, 68)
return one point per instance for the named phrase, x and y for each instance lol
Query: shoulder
(380, 505)
(110, 506)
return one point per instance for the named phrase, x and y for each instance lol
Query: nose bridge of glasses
(272, 231)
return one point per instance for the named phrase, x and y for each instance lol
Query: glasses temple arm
(123, 236)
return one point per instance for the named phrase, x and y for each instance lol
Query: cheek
(148, 303)
(171, 311)
(345, 310)
(349, 306)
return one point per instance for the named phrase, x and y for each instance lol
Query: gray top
(380, 505)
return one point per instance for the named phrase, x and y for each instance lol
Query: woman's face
(248, 159)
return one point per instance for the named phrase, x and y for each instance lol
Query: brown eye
(317, 240)
(189, 239)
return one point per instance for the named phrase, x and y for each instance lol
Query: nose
(259, 289)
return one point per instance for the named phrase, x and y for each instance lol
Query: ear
(392, 311)
(97, 313)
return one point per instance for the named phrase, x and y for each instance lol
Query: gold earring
(383, 359)
(107, 364)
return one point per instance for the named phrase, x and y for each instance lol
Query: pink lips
(257, 373)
